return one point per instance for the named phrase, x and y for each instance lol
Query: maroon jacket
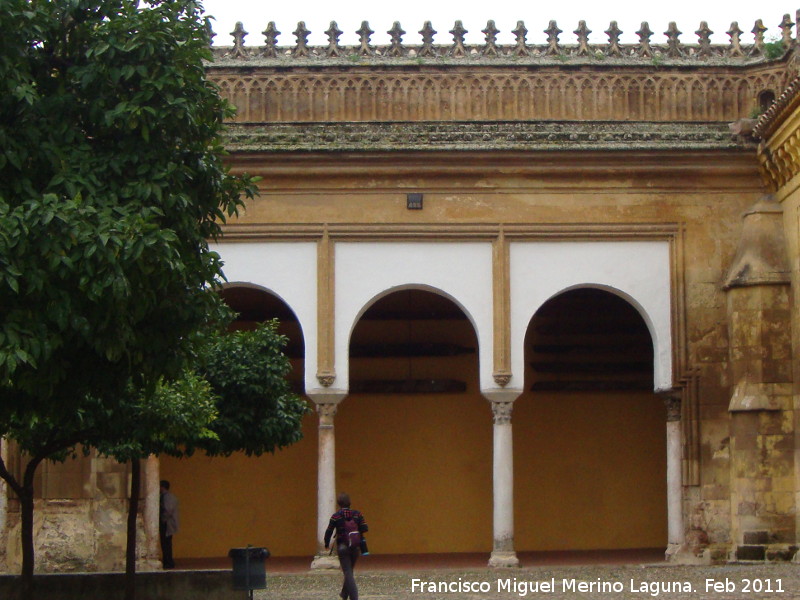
(337, 523)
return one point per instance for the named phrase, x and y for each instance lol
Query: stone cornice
(478, 136)
(239, 232)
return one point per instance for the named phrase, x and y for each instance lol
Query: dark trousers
(347, 559)
(166, 547)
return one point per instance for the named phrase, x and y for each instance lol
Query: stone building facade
(551, 283)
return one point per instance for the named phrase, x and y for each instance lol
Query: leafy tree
(111, 183)
(159, 423)
(257, 411)
(237, 400)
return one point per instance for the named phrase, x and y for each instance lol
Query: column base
(503, 559)
(683, 554)
(325, 561)
(148, 565)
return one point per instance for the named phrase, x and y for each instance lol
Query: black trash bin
(249, 570)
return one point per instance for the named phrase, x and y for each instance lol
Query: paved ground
(563, 582)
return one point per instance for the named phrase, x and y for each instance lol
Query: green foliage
(161, 422)
(257, 411)
(774, 48)
(237, 400)
(111, 183)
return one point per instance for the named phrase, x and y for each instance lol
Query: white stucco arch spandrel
(638, 270)
(288, 270)
(460, 270)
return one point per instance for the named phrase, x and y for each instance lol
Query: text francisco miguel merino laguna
(522, 587)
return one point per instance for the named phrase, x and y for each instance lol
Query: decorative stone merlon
(761, 256)
(674, 49)
(238, 34)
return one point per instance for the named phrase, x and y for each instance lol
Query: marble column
(503, 553)
(676, 535)
(152, 498)
(326, 479)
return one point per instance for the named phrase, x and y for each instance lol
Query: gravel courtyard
(727, 582)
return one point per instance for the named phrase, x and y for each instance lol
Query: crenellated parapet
(570, 81)
(555, 49)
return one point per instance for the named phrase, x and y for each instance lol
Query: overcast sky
(348, 14)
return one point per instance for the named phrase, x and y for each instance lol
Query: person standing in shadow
(167, 524)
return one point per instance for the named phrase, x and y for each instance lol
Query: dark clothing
(347, 555)
(167, 526)
(337, 523)
(166, 547)
(347, 560)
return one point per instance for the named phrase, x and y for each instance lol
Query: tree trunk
(26, 516)
(133, 511)
(26, 525)
(24, 491)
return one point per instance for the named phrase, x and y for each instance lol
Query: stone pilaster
(326, 405)
(503, 553)
(762, 436)
(501, 276)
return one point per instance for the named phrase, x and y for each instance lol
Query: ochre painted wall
(589, 471)
(421, 470)
(231, 502)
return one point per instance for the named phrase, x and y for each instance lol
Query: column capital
(326, 413)
(502, 402)
(326, 405)
(672, 400)
(502, 412)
